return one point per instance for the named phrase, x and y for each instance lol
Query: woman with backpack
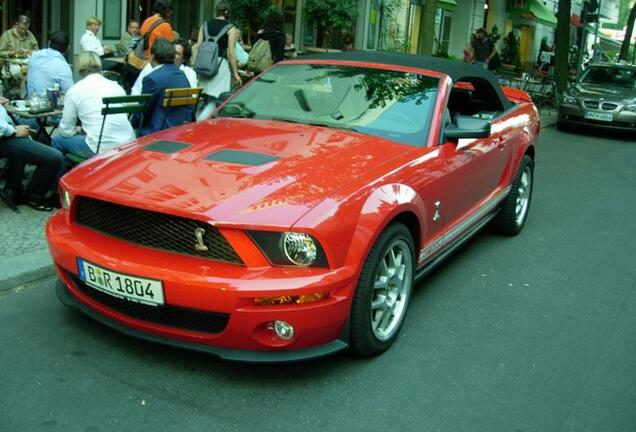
(227, 73)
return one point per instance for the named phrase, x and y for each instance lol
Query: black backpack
(206, 65)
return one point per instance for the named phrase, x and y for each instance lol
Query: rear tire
(514, 210)
(383, 293)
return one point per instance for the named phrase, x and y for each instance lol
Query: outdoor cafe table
(41, 134)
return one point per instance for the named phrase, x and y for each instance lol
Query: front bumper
(574, 115)
(214, 287)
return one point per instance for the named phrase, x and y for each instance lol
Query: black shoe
(39, 203)
(10, 199)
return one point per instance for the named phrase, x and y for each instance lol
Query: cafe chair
(116, 105)
(179, 98)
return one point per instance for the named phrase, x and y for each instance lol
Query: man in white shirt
(83, 101)
(181, 60)
(90, 41)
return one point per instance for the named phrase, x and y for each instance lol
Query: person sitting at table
(83, 102)
(164, 75)
(90, 41)
(18, 38)
(183, 52)
(129, 39)
(21, 150)
(48, 67)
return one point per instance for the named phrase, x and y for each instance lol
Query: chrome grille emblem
(199, 245)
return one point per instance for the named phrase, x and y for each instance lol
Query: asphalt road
(533, 333)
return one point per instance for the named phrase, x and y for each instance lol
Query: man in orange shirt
(162, 10)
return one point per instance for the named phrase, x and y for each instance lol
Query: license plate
(598, 116)
(128, 287)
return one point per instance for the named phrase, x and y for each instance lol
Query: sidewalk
(24, 255)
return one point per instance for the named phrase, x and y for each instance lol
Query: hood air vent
(166, 146)
(241, 157)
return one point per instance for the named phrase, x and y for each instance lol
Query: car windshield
(389, 104)
(614, 76)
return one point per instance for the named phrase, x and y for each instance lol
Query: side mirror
(467, 127)
(223, 97)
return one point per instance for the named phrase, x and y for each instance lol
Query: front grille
(154, 230)
(590, 104)
(166, 315)
(608, 106)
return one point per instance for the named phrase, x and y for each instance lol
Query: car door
(475, 169)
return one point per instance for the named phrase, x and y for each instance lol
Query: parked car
(604, 97)
(295, 223)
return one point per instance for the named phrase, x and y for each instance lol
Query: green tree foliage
(248, 15)
(331, 14)
(624, 7)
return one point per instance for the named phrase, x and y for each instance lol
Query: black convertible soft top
(455, 70)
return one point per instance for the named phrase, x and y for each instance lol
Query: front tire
(514, 210)
(383, 293)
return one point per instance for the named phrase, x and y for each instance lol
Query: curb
(25, 268)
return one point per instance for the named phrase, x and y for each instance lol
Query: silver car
(604, 96)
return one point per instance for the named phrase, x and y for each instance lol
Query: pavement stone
(24, 254)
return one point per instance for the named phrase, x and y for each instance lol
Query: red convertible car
(295, 222)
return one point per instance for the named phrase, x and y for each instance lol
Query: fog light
(283, 330)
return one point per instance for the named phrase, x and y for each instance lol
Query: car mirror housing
(468, 127)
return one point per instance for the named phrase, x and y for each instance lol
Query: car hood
(593, 91)
(235, 171)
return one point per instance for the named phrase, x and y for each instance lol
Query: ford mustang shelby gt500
(294, 223)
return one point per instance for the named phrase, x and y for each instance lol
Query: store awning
(449, 5)
(603, 38)
(543, 15)
(533, 10)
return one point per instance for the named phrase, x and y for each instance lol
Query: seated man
(128, 40)
(49, 67)
(90, 41)
(183, 52)
(83, 101)
(164, 75)
(18, 38)
(21, 150)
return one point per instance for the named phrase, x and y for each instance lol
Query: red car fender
(363, 221)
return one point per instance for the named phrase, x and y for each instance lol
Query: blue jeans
(75, 144)
(23, 151)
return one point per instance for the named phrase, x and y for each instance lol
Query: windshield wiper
(313, 123)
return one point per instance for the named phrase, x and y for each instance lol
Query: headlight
(290, 248)
(567, 99)
(299, 248)
(631, 106)
(66, 198)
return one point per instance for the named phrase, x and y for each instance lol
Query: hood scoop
(166, 147)
(241, 157)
